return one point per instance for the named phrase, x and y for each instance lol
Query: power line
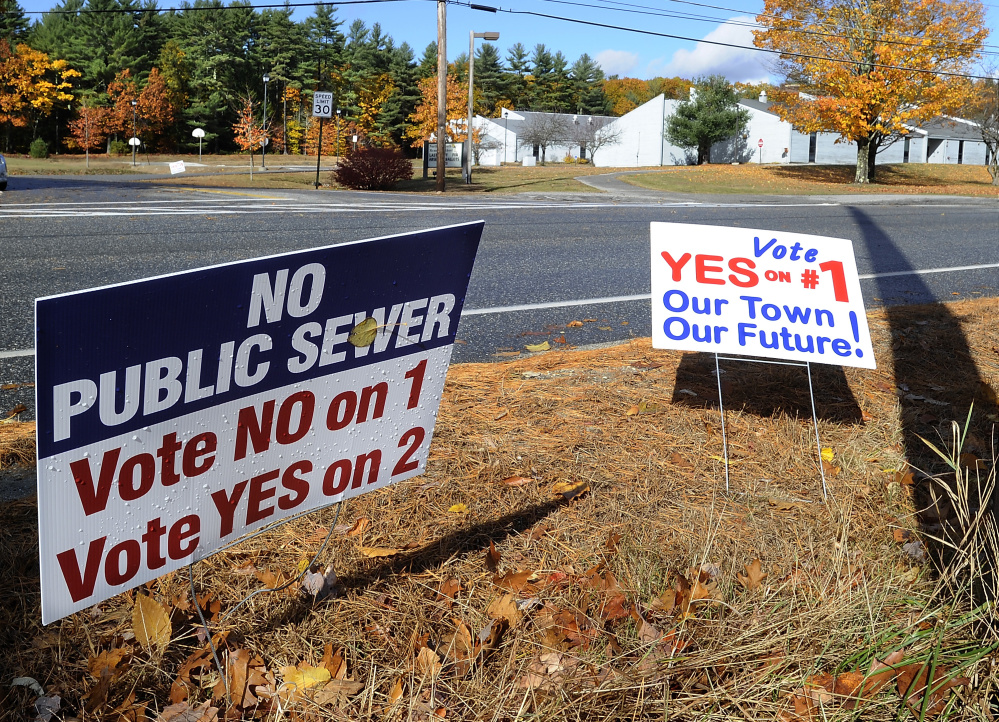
(656, 12)
(202, 8)
(671, 36)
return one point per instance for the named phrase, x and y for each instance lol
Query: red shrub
(373, 169)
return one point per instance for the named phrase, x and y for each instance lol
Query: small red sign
(760, 143)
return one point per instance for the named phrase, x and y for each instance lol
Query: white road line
(893, 274)
(623, 299)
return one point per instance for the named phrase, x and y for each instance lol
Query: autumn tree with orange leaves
(424, 120)
(871, 69)
(31, 85)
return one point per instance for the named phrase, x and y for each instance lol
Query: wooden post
(441, 93)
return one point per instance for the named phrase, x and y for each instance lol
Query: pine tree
(518, 68)
(489, 80)
(588, 93)
(712, 115)
(428, 62)
(13, 24)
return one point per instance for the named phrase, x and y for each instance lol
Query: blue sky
(618, 52)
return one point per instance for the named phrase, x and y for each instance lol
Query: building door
(905, 152)
(960, 152)
(812, 141)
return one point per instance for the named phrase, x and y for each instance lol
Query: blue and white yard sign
(177, 413)
(758, 293)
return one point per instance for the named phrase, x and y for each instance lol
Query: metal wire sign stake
(758, 296)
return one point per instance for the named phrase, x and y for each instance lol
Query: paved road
(544, 261)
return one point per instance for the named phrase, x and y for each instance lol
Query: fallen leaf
(364, 333)
(782, 504)
(492, 557)
(534, 348)
(428, 662)
(489, 637)
(46, 708)
(573, 324)
(458, 509)
(616, 607)
(513, 581)
(150, 623)
(378, 551)
(902, 535)
(505, 607)
(678, 460)
(183, 712)
(631, 411)
(589, 320)
(905, 477)
(448, 591)
(107, 660)
(570, 489)
(359, 526)
(304, 676)
(337, 692)
(753, 577)
(395, 694)
(827, 454)
(926, 699)
(517, 481)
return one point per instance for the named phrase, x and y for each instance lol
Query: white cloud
(735, 64)
(616, 62)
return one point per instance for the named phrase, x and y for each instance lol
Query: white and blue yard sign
(177, 413)
(758, 293)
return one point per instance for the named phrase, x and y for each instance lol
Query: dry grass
(604, 628)
(909, 178)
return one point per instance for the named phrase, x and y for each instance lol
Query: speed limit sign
(322, 105)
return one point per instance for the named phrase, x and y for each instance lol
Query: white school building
(767, 139)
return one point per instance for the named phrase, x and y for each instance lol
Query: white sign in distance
(177, 167)
(758, 293)
(322, 105)
(198, 132)
(134, 141)
(452, 157)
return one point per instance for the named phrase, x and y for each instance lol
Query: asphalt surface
(542, 261)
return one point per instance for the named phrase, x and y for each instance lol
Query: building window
(905, 152)
(960, 152)
(812, 142)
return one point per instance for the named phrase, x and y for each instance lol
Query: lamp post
(263, 143)
(132, 142)
(471, 71)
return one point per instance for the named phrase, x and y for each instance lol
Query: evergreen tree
(428, 62)
(489, 80)
(540, 78)
(13, 23)
(219, 44)
(588, 92)
(518, 68)
(712, 115)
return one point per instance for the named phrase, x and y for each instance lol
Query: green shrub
(38, 148)
(118, 147)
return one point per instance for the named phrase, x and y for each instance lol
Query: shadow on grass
(885, 175)
(934, 389)
(766, 389)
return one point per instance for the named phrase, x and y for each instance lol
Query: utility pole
(441, 93)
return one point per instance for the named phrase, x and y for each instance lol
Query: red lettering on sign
(702, 269)
(82, 586)
(676, 265)
(741, 274)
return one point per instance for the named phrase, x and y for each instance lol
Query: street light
(471, 71)
(132, 142)
(263, 143)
